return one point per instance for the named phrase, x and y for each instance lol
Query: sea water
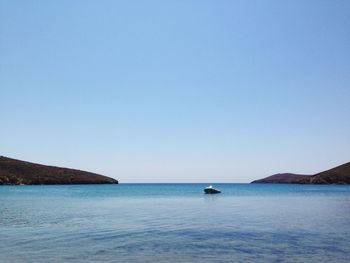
(175, 223)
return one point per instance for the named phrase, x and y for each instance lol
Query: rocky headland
(17, 172)
(337, 175)
(282, 178)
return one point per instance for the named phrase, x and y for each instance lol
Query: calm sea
(175, 223)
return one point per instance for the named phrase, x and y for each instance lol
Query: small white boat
(211, 190)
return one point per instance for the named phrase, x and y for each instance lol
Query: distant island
(337, 175)
(17, 172)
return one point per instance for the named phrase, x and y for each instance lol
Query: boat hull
(211, 191)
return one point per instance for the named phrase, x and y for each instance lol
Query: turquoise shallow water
(175, 223)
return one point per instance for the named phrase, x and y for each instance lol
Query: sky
(177, 90)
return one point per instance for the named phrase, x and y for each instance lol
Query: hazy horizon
(176, 91)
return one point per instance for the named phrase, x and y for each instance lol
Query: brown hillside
(282, 178)
(337, 175)
(14, 172)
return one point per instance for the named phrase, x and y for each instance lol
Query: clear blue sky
(178, 90)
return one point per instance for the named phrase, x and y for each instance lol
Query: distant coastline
(336, 175)
(17, 172)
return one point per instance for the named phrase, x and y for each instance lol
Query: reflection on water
(175, 223)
